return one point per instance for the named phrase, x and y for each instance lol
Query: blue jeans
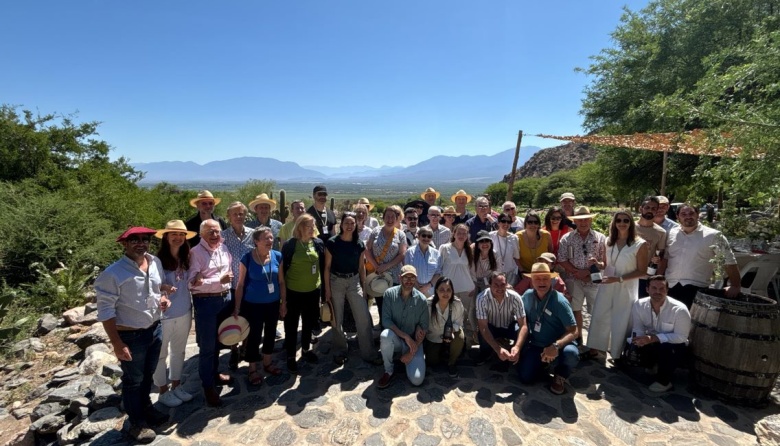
(390, 344)
(209, 312)
(498, 332)
(144, 346)
(531, 363)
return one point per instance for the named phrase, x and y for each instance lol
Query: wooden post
(663, 174)
(511, 184)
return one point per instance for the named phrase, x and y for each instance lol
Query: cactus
(332, 203)
(283, 211)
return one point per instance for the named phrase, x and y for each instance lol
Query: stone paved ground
(486, 405)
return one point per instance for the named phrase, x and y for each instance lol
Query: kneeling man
(551, 329)
(661, 325)
(500, 314)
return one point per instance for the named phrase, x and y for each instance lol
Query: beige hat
(540, 269)
(461, 193)
(262, 199)
(567, 196)
(377, 284)
(408, 269)
(430, 190)
(581, 213)
(449, 210)
(364, 201)
(175, 226)
(547, 256)
(204, 195)
(233, 330)
(662, 199)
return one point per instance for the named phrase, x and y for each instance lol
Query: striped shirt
(503, 314)
(441, 235)
(237, 247)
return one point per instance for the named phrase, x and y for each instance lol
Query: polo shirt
(556, 317)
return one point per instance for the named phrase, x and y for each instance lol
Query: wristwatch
(555, 344)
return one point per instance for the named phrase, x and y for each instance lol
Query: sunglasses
(533, 222)
(425, 236)
(505, 221)
(623, 220)
(449, 215)
(136, 240)
(411, 218)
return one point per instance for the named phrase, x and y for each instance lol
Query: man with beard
(410, 220)
(129, 304)
(568, 201)
(654, 235)
(324, 218)
(660, 215)
(689, 249)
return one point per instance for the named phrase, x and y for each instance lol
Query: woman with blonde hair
(386, 248)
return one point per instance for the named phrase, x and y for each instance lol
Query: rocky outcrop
(548, 161)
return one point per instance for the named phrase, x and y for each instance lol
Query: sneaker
(182, 394)
(292, 366)
(155, 417)
(309, 356)
(659, 388)
(558, 385)
(384, 381)
(142, 434)
(170, 399)
(452, 371)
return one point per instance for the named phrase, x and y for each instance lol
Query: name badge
(325, 229)
(537, 326)
(547, 312)
(485, 279)
(271, 288)
(314, 268)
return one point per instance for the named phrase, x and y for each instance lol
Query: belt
(123, 328)
(222, 294)
(344, 276)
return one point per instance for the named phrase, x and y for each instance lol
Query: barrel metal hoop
(736, 334)
(758, 375)
(743, 313)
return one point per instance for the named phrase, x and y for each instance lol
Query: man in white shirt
(689, 249)
(660, 329)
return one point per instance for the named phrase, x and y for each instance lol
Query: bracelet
(621, 279)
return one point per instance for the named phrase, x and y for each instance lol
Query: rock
(14, 383)
(89, 319)
(44, 409)
(27, 347)
(90, 308)
(77, 404)
(112, 371)
(63, 376)
(49, 424)
(95, 335)
(481, 432)
(283, 435)
(66, 393)
(97, 348)
(37, 392)
(22, 412)
(46, 324)
(99, 421)
(426, 440)
(68, 434)
(768, 430)
(346, 432)
(93, 364)
(73, 316)
(103, 395)
(310, 418)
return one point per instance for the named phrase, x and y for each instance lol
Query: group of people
(459, 280)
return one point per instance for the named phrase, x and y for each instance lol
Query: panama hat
(540, 269)
(175, 226)
(262, 199)
(364, 201)
(135, 230)
(581, 213)
(567, 196)
(430, 190)
(204, 195)
(449, 210)
(233, 330)
(376, 284)
(461, 193)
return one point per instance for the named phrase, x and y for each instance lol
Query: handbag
(326, 312)
(370, 266)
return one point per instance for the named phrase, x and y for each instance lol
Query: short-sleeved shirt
(554, 313)
(303, 273)
(345, 256)
(407, 314)
(507, 250)
(181, 300)
(655, 236)
(259, 276)
(500, 314)
(275, 226)
(668, 224)
(441, 235)
(576, 250)
(436, 325)
(237, 247)
(528, 256)
(324, 221)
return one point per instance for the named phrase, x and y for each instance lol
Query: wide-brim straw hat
(262, 199)
(377, 284)
(175, 226)
(204, 195)
(430, 190)
(449, 210)
(582, 212)
(461, 193)
(233, 330)
(364, 201)
(540, 269)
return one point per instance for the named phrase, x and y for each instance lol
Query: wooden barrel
(735, 345)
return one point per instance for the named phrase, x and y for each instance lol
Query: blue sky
(315, 82)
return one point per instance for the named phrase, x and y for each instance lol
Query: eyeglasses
(425, 236)
(505, 221)
(483, 205)
(433, 215)
(322, 194)
(137, 240)
(507, 209)
(533, 222)
(449, 215)
(411, 218)
(623, 220)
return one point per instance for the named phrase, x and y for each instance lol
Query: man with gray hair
(411, 217)
(483, 221)
(441, 233)
(510, 209)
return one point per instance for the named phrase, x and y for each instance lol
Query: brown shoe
(558, 385)
(212, 397)
(384, 381)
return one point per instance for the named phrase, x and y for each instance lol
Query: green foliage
(8, 298)
(496, 193)
(60, 289)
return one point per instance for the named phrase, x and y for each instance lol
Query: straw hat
(581, 213)
(364, 201)
(135, 230)
(540, 269)
(449, 210)
(262, 199)
(204, 195)
(233, 330)
(175, 226)
(461, 193)
(430, 190)
(376, 284)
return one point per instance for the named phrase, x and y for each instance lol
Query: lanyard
(536, 307)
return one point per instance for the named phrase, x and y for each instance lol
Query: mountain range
(442, 169)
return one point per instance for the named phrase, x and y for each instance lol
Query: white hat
(233, 330)
(376, 284)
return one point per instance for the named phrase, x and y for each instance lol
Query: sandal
(255, 378)
(272, 370)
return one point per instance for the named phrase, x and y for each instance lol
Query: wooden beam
(511, 184)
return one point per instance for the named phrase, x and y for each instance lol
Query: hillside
(548, 161)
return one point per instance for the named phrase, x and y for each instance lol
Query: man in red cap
(129, 304)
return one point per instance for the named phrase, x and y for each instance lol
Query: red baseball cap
(135, 230)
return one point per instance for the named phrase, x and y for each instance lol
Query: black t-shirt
(326, 219)
(344, 255)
